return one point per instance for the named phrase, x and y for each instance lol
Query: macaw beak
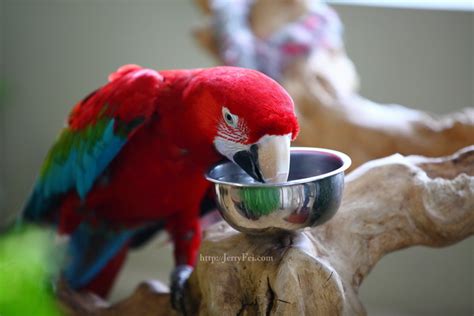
(268, 160)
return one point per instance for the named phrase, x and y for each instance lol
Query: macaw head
(248, 118)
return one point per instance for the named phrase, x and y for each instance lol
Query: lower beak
(268, 160)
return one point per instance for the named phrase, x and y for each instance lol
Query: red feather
(158, 174)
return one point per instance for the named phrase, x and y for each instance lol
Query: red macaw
(135, 152)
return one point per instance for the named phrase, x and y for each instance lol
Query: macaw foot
(179, 277)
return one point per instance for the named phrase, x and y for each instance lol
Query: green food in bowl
(260, 201)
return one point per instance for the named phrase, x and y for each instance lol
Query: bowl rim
(346, 163)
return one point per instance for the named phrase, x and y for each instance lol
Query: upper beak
(268, 160)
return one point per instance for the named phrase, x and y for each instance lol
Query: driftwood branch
(333, 115)
(150, 298)
(388, 204)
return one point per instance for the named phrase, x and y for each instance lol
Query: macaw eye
(230, 118)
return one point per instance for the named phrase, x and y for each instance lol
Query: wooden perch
(388, 204)
(150, 298)
(333, 115)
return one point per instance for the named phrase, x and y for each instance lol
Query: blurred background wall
(2, 117)
(54, 52)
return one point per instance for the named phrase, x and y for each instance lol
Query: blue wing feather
(96, 134)
(83, 164)
(99, 127)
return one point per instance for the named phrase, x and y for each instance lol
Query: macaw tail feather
(103, 282)
(96, 255)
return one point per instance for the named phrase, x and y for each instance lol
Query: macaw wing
(98, 128)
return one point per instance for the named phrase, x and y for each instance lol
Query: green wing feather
(98, 129)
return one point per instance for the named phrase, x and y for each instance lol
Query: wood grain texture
(388, 204)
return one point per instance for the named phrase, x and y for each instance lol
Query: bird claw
(179, 277)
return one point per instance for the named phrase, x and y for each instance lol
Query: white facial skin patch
(273, 151)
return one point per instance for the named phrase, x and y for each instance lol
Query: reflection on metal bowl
(310, 197)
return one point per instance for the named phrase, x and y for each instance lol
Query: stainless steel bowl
(310, 197)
